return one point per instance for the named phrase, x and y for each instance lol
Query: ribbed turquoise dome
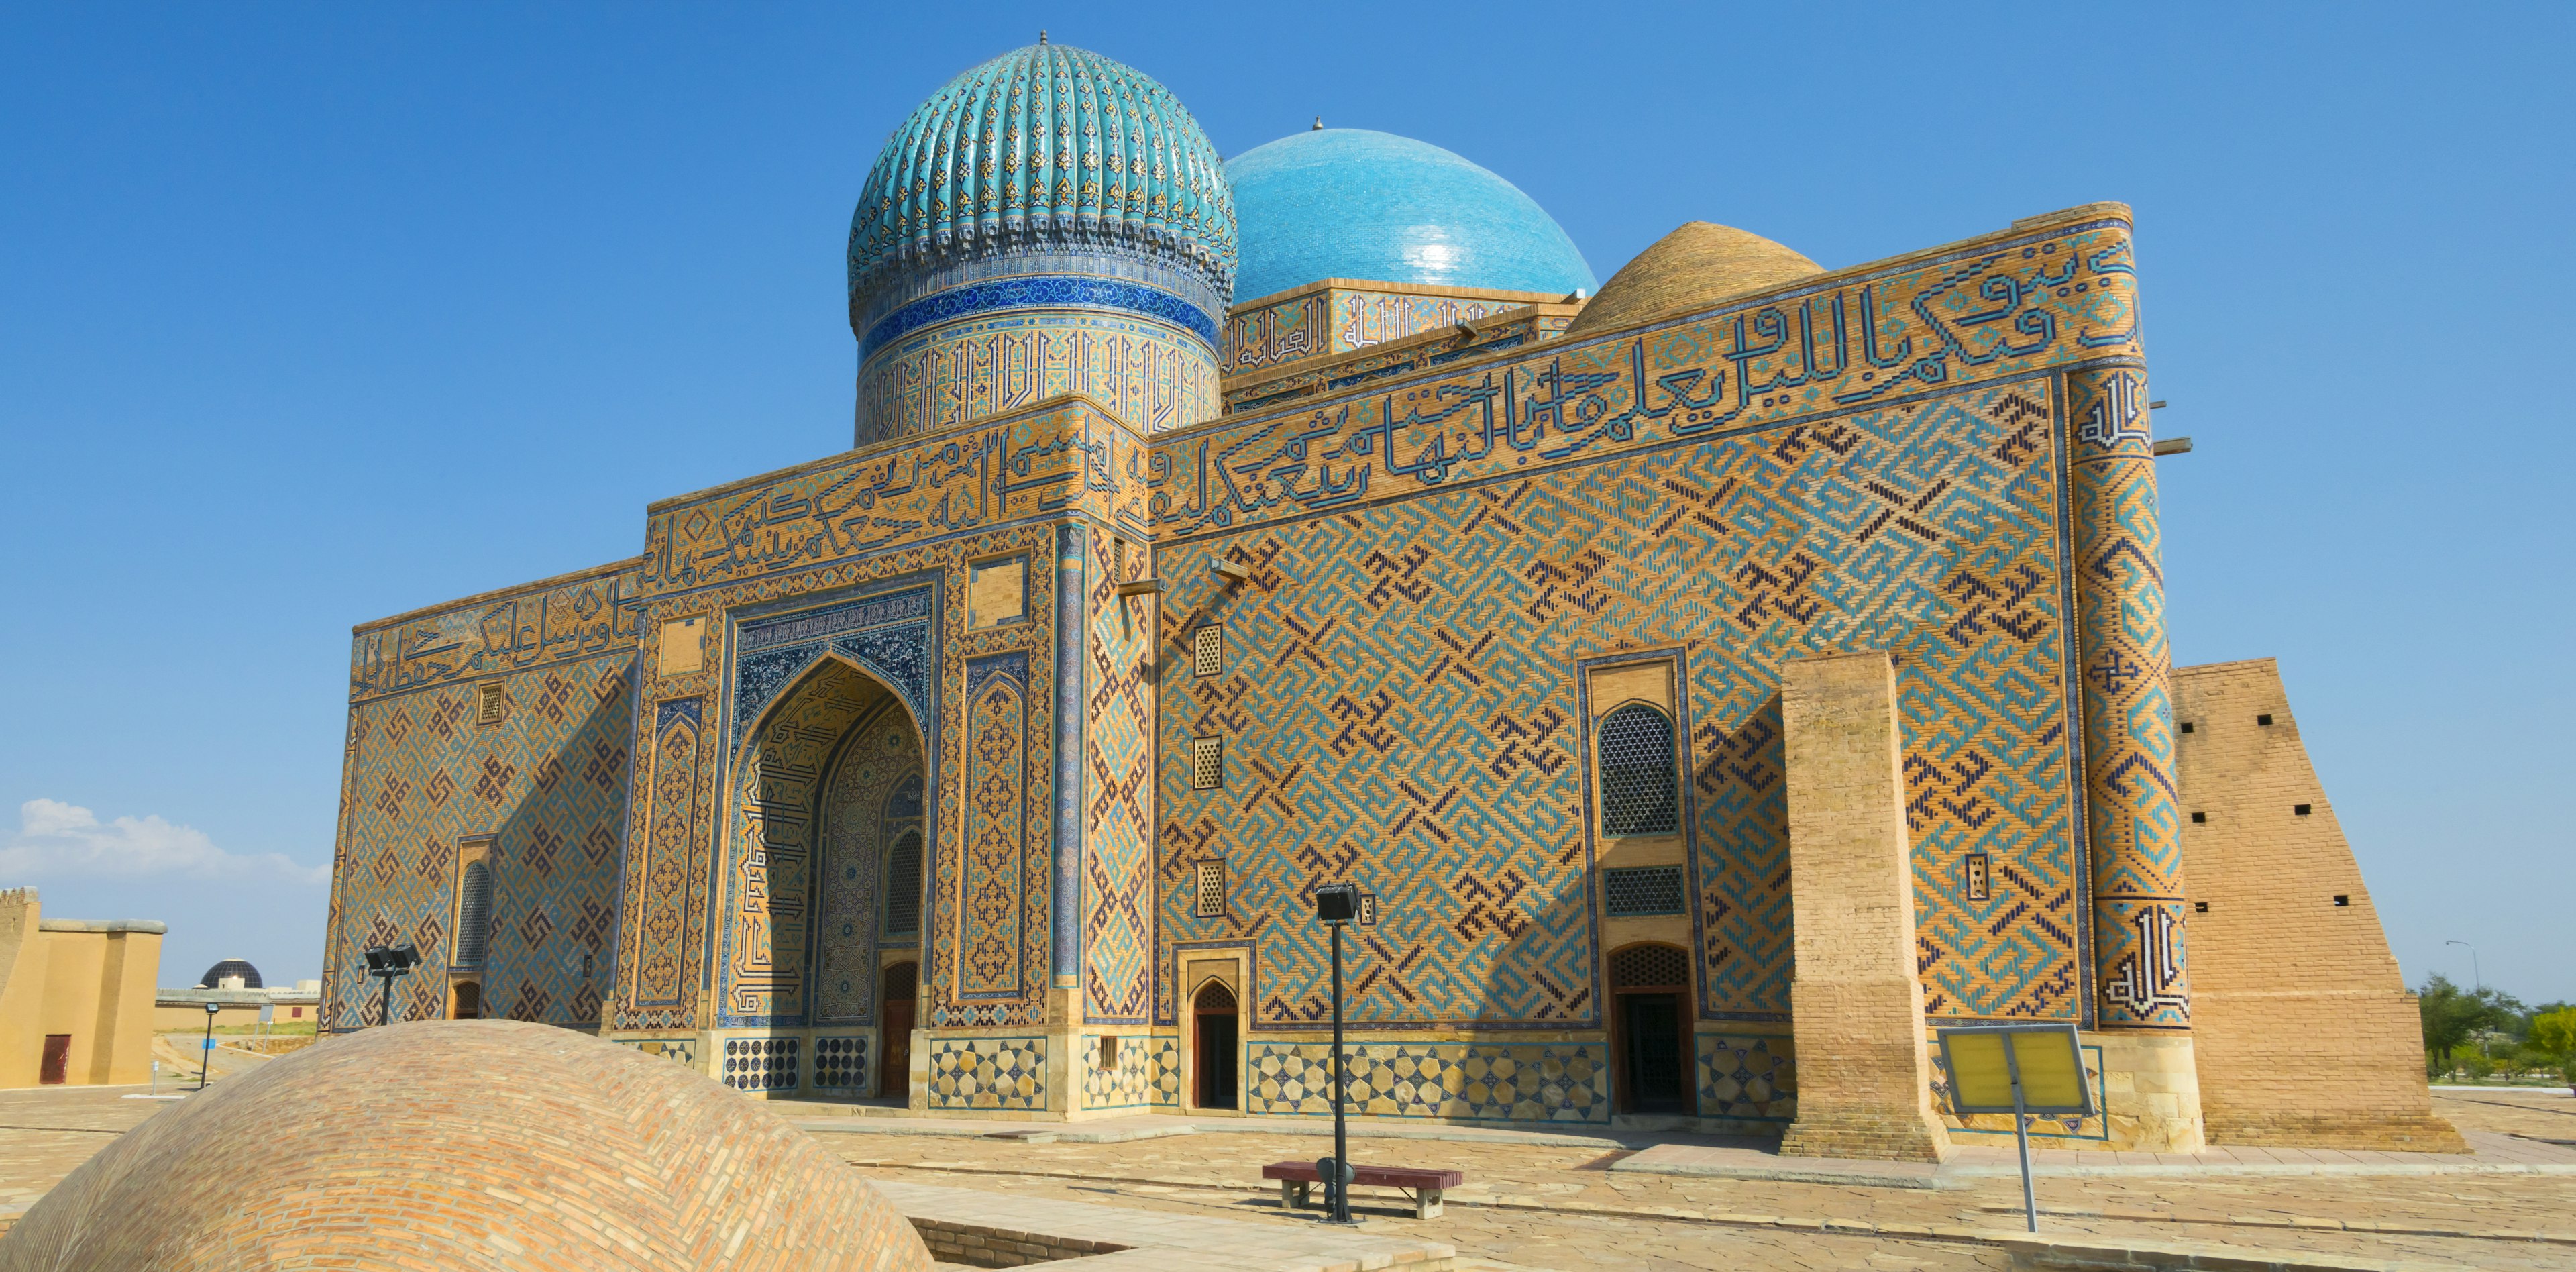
(1043, 148)
(1351, 203)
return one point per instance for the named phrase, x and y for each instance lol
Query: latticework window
(1640, 791)
(473, 914)
(903, 885)
(1644, 890)
(1207, 763)
(1649, 967)
(489, 703)
(1211, 898)
(1207, 650)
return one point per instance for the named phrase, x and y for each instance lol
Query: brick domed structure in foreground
(470, 1145)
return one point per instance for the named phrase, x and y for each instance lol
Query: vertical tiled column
(1070, 589)
(2142, 999)
(2131, 820)
(1856, 1002)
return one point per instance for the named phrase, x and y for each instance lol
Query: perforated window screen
(1648, 966)
(1644, 890)
(1211, 889)
(1207, 650)
(489, 704)
(903, 885)
(473, 914)
(1207, 763)
(1640, 793)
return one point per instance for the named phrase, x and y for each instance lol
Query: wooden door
(58, 1055)
(894, 1063)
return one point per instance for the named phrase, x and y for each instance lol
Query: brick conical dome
(1697, 264)
(465, 1145)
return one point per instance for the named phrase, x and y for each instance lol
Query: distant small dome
(1695, 265)
(1352, 203)
(484, 1144)
(214, 977)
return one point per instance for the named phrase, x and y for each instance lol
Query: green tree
(2452, 1016)
(2553, 1033)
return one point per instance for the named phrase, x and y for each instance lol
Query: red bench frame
(1422, 1187)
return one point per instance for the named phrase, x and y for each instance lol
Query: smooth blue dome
(1351, 203)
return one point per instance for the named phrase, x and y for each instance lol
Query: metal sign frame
(2022, 1110)
(2012, 1059)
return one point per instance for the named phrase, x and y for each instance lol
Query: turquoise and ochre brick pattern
(989, 1073)
(2133, 814)
(545, 781)
(1877, 463)
(1475, 1081)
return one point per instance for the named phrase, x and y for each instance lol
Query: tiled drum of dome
(1521, 1082)
(1429, 560)
(546, 781)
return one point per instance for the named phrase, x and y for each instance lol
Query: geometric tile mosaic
(1747, 1078)
(988, 1073)
(1133, 1080)
(1523, 1082)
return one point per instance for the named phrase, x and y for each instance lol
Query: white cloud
(62, 840)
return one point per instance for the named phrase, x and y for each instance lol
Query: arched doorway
(1650, 1027)
(1212, 1046)
(894, 1062)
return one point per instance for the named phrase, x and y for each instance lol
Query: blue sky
(311, 314)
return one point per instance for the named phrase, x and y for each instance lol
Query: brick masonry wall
(1864, 1088)
(2304, 1030)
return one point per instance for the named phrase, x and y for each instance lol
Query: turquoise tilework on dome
(1045, 147)
(1351, 203)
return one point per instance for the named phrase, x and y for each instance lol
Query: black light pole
(206, 1053)
(1337, 904)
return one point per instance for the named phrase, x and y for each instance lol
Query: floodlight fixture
(1337, 902)
(386, 962)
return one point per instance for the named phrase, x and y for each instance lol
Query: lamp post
(206, 1052)
(386, 962)
(1337, 904)
(2476, 977)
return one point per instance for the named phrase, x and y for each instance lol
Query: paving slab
(1179, 1243)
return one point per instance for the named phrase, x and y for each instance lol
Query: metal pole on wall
(1337, 904)
(1341, 1192)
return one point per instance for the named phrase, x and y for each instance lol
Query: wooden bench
(1423, 1187)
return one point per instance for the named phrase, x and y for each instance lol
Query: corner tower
(1048, 222)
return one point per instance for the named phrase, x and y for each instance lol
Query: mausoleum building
(1714, 680)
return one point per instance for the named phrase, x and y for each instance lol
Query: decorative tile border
(1516, 1082)
(682, 1049)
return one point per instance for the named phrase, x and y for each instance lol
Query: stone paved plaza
(1559, 1205)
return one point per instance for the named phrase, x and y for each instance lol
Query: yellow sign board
(2046, 1061)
